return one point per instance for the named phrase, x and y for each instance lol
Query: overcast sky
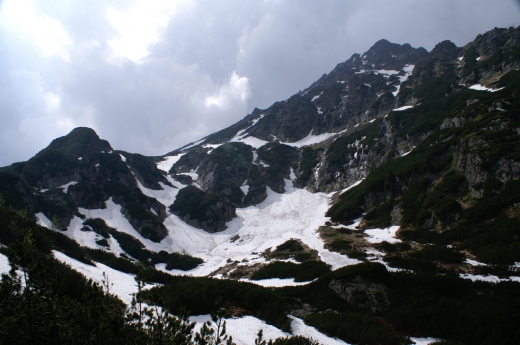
(153, 75)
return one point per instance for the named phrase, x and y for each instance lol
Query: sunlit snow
(274, 282)
(42, 220)
(5, 267)
(480, 87)
(424, 341)
(166, 195)
(121, 284)
(244, 330)
(115, 219)
(489, 278)
(294, 214)
(84, 238)
(380, 235)
(168, 162)
(243, 137)
(403, 108)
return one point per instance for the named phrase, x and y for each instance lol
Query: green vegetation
(379, 216)
(339, 245)
(355, 328)
(291, 245)
(200, 294)
(443, 306)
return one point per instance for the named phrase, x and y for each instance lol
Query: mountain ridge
(399, 161)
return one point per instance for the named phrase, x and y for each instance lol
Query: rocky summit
(379, 205)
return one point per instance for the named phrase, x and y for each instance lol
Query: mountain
(384, 197)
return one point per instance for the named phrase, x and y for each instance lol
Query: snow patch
(407, 153)
(275, 282)
(115, 219)
(316, 97)
(350, 187)
(474, 263)
(123, 158)
(424, 341)
(300, 328)
(124, 285)
(84, 238)
(245, 188)
(295, 214)
(251, 141)
(245, 329)
(489, 278)
(480, 87)
(5, 267)
(168, 162)
(66, 186)
(311, 139)
(42, 220)
(403, 108)
(166, 195)
(380, 235)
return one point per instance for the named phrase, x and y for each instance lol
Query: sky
(153, 75)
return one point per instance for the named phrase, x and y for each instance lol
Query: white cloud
(48, 34)
(236, 90)
(138, 26)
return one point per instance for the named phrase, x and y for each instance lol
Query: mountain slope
(402, 164)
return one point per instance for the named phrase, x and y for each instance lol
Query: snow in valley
(295, 214)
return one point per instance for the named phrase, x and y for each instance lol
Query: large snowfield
(295, 214)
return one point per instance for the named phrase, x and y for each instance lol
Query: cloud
(138, 26)
(152, 78)
(48, 34)
(235, 91)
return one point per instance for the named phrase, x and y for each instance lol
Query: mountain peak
(388, 55)
(80, 141)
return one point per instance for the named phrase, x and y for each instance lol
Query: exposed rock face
(384, 54)
(215, 220)
(225, 170)
(507, 170)
(492, 41)
(470, 163)
(100, 173)
(362, 293)
(455, 122)
(288, 121)
(207, 211)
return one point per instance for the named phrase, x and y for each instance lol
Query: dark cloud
(211, 64)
